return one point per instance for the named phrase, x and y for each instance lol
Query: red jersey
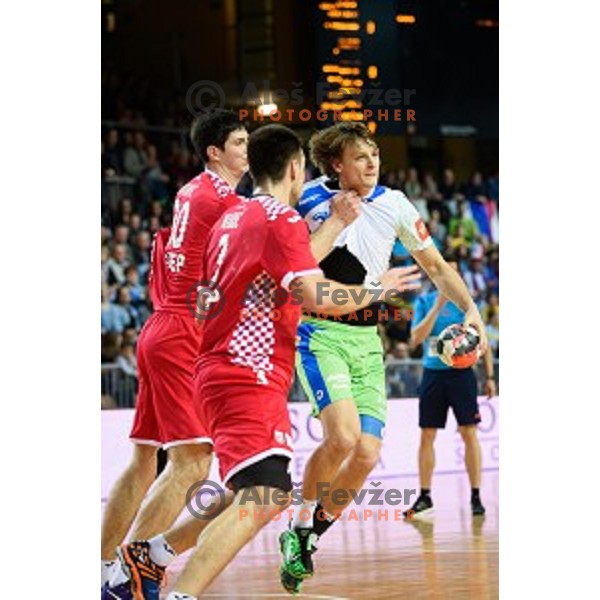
(198, 205)
(156, 277)
(254, 253)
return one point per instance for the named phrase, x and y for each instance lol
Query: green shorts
(335, 362)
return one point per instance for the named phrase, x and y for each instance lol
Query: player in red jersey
(167, 349)
(262, 272)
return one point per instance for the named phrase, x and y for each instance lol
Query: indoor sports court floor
(447, 555)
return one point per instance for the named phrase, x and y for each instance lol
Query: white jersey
(386, 215)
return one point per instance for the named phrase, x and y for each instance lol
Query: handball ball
(458, 346)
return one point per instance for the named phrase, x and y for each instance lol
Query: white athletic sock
(180, 596)
(106, 571)
(161, 552)
(304, 514)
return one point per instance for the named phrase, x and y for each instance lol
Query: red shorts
(165, 412)
(247, 422)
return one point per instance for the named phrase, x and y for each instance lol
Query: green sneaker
(291, 554)
(290, 583)
(291, 571)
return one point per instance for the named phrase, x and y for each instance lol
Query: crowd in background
(140, 177)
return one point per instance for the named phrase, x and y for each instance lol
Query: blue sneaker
(145, 575)
(117, 592)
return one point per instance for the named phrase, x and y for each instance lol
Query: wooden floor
(450, 555)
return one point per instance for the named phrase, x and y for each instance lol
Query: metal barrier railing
(119, 389)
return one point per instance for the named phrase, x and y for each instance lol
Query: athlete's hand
(490, 388)
(346, 206)
(401, 279)
(473, 318)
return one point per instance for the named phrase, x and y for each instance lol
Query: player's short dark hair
(270, 149)
(213, 129)
(328, 144)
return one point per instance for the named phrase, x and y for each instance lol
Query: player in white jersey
(340, 360)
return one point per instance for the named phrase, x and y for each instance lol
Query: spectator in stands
(135, 226)
(142, 248)
(402, 379)
(464, 220)
(154, 224)
(401, 173)
(130, 336)
(463, 257)
(181, 168)
(493, 185)
(492, 270)
(434, 199)
(476, 189)
(121, 234)
(476, 281)
(414, 192)
(104, 256)
(156, 177)
(114, 317)
(126, 359)
(135, 158)
(112, 163)
(479, 247)
(492, 329)
(156, 209)
(105, 235)
(390, 179)
(117, 264)
(400, 351)
(456, 239)
(491, 305)
(110, 344)
(124, 301)
(437, 230)
(125, 211)
(137, 293)
(412, 187)
(450, 192)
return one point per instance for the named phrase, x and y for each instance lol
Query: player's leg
(351, 476)
(463, 392)
(364, 354)
(125, 498)
(360, 353)
(426, 457)
(341, 433)
(433, 412)
(129, 491)
(253, 462)
(187, 465)
(258, 499)
(325, 376)
(183, 536)
(170, 356)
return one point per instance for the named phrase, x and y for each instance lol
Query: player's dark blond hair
(328, 144)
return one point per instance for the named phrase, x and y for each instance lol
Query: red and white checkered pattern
(273, 207)
(253, 339)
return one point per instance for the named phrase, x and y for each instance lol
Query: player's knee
(366, 456)
(428, 436)
(343, 442)
(143, 460)
(468, 434)
(190, 463)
